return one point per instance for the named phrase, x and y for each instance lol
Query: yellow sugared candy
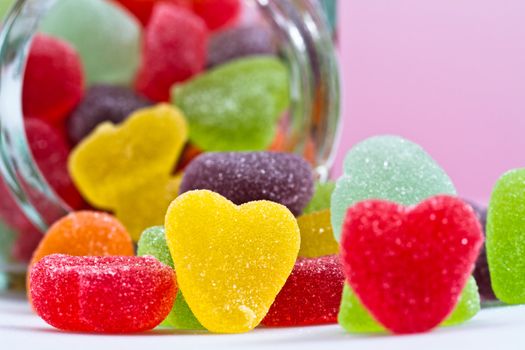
(145, 205)
(317, 236)
(115, 158)
(231, 261)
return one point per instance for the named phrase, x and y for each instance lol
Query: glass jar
(304, 44)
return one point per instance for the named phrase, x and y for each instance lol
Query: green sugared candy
(390, 168)
(506, 237)
(106, 37)
(235, 106)
(153, 242)
(321, 198)
(181, 317)
(355, 318)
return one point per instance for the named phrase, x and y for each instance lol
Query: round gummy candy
(310, 296)
(102, 294)
(53, 79)
(231, 261)
(106, 36)
(243, 177)
(115, 159)
(235, 106)
(321, 198)
(317, 236)
(355, 318)
(85, 233)
(102, 103)
(506, 237)
(217, 13)
(408, 265)
(142, 9)
(153, 242)
(390, 168)
(174, 50)
(237, 42)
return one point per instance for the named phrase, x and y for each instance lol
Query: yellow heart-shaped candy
(114, 159)
(231, 261)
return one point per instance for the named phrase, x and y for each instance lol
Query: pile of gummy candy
(230, 239)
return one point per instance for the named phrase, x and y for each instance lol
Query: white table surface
(491, 329)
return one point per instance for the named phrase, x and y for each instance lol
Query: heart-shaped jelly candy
(409, 265)
(231, 261)
(114, 159)
(387, 167)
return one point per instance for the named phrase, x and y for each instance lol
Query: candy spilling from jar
(232, 234)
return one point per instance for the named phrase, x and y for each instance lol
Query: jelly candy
(142, 9)
(145, 204)
(53, 80)
(321, 198)
(317, 236)
(481, 271)
(153, 242)
(424, 254)
(505, 237)
(311, 295)
(238, 42)
(50, 152)
(390, 168)
(244, 177)
(106, 37)
(189, 153)
(228, 103)
(217, 13)
(144, 147)
(355, 318)
(85, 233)
(174, 50)
(231, 260)
(102, 103)
(115, 294)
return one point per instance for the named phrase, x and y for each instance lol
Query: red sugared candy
(53, 80)
(117, 294)
(409, 265)
(311, 295)
(174, 50)
(217, 13)
(142, 9)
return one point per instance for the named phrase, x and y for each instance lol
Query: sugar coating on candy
(248, 176)
(311, 295)
(231, 261)
(142, 9)
(235, 106)
(102, 103)
(85, 233)
(317, 236)
(481, 271)
(53, 79)
(321, 198)
(153, 242)
(106, 36)
(390, 168)
(116, 158)
(424, 254)
(102, 294)
(174, 50)
(217, 13)
(238, 42)
(145, 205)
(355, 318)
(506, 236)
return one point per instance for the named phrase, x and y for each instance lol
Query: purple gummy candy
(481, 271)
(248, 176)
(100, 104)
(239, 42)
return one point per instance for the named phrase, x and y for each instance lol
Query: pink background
(447, 74)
